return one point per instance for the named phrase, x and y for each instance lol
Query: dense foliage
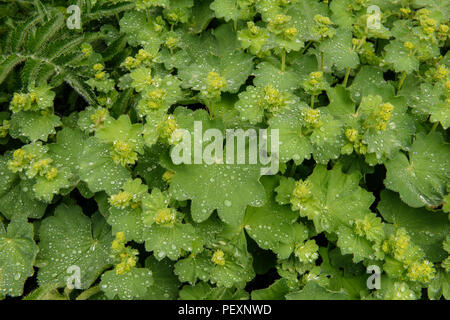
(86, 128)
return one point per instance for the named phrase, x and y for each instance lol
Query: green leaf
(16, 195)
(421, 180)
(128, 221)
(399, 131)
(227, 9)
(17, 255)
(194, 267)
(98, 169)
(266, 73)
(165, 283)
(284, 190)
(169, 241)
(335, 203)
(427, 229)
(67, 150)
(313, 291)
(204, 291)
(128, 286)
(45, 189)
(338, 51)
(276, 291)
(400, 57)
(122, 130)
(34, 125)
(69, 238)
(370, 81)
(270, 225)
(294, 143)
(238, 183)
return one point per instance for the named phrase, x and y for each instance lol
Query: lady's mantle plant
(92, 206)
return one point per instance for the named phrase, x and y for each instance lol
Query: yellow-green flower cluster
(168, 175)
(278, 23)
(123, 153)
(355, 142)
(131, 195)
(166, 128)
(86, 49)
(172, 42)
(98, 118)
(218, 258)
(323, 26)
(315, 83)
(411, 256)
(121, 200)
(422, 271)
(272, 99)
(300, 194)
(126, 255)
(37, 99)
(101, 80)
(4, 128)
(166, 217)
(370, 227)
(215, 84)
(312, 117)
(383, 115)
(33, 164)
(438, 74)
(142, 58)
(154, 98)
(254, 38)
(429, 25)
(442, 32)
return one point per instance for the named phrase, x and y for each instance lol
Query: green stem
(312, 101)
(433, 128)
(67, 292)
(88, 293)
(306, 47)
(347, 74)
(235, 25)
(402, 79)
(210, 108)
(292, 171)
(283, 60)
(321, 61)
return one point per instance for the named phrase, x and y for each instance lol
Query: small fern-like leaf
(81, 87)
(8, 64)
(20, 34)
(45, 33)
(101, 12)
(29, 72)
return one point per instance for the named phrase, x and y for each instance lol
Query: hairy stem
(283, 60)
(312, 101)
(292, 171)
(402, 79)
(321, 61)
(347, 74)
(306, 47)
(433, 128)
(88, 293)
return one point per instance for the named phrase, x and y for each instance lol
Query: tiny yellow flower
(166, 217)
(168, 175)
(218, 258)
(408, 45)
(98, 67)
(351, 134)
